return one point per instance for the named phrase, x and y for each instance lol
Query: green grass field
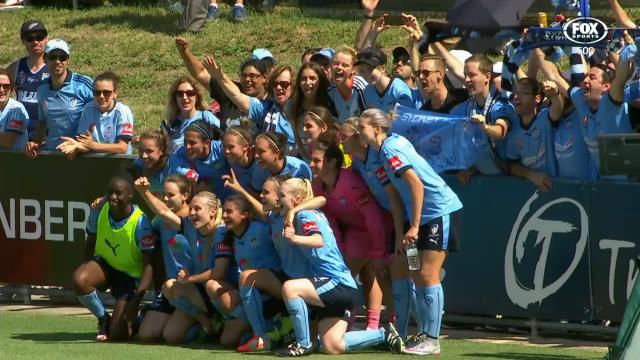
(25, 335)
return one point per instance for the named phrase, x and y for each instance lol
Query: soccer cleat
(295, 349)
(103, 328)
(393, 339)
(212, 12)
(239, 14)
(423, 345)
(256, 343)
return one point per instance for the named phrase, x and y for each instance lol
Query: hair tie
(199, 129)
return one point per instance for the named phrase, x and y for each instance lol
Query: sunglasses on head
(34, 37)
(189, 93)
(57, 56)
(105, 93)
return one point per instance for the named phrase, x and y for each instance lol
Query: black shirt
(229, 113)
(454, 97)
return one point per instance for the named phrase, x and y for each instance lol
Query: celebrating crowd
(270, 204)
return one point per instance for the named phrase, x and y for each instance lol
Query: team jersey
(397, 92)
(26, 86)
(574, 160)
(173, 245)
(109, 127)
(293, 167)
(351, 207)
(145, 238)
(325, 261)
(292, 262)
(350, 106)
(14, 119)
(244, 174)
(253, 249)
(202, 248)
(607, 118)
(61, 109)
(398, 155)
(495, 107)
(532, 144)
(368, 170)
(269, 116)
(206, 171)
(177, 128)
(156, 178)
(224, 250)
(416, 97)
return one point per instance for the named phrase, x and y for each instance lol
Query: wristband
(368, 17)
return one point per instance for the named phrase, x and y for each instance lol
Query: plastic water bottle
(413, 258)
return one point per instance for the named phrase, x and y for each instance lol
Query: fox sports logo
(585, 30)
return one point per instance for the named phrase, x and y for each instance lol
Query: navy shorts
(337, 298)
(281, 275)
(211, 311)
(160, 304)
(440, 234)
(123, 286)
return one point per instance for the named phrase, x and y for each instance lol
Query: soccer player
(238, 145)
(270, 154)
(425, 208)
(28, 72)
(201, 159)
(13, 117)
(316, 121)
(185, 104)
(117, 257)
(106, 124)
(61, 99)
(438, 97)
(382, 92)
(328, 287)
(530, 141)
(347, 91)
(153, 159)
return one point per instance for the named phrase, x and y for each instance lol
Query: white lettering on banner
(614, 246)
(32, 219)
(519, 293)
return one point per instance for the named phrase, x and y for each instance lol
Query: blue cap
(57, 44)
(261, 54)
(329, 53)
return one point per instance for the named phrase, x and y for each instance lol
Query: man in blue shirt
(403, 70)
(61, 99)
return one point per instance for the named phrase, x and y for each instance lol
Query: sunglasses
(426, 73)
(282, 84)
(250, 76)
(189, 93)
(34, 37)
(56, 57)
(401, 61)
(5, 87)
(105, 93)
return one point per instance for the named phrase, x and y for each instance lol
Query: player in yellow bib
(118, 252)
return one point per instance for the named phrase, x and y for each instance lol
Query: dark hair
(206, 131)
(321, 60)
(319, 114)
(531, 84)
(124, 176)
(322, 96)
(277, 141)
(309, 51)
(607, 75)
(108, 76)
(244, 206)
(438, 60)
(5, 72)
(257, 64)
(162, 141)
(484, 64)
(243, 131)
(328, 142)
(186, 186)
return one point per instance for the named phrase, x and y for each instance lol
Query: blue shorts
(123, 286)
(337, 298)
(440, 234)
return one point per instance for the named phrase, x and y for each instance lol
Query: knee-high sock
(373, 319)
(357, 340)
(414, 305)
(238, 313)
(431, 299)
(186, 306)
(93, 303)
(300, 317)
(252, 304)
(402, 293)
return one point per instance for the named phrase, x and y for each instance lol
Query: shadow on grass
(154, 23)
(57, 337)
(520, 356)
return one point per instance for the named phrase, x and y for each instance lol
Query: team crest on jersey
(535, 132)
(253, 243)
(73, 103)
(309, 227)
(20, 77)
(395, 163)
(434, 229)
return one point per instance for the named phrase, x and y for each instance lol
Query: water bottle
(413, 258)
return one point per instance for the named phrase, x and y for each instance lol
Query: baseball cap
(261, 54)
(497, 68)
(32, 26)
(371, 56)
(57, 44)
(400, 52)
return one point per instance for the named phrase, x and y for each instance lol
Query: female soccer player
(359, 223)
(328, 286)
(185, 104)
(270, 152)
(117, 256)
(315, 121)
(153, 159)
(177, 192)
(106, 124)
(238, 144)
(13, 117)
(429, 210)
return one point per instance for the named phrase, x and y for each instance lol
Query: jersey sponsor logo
(309, 227)
(224, 248)
(127, 129)
(113, 248)
(395, 163)
(148, 241)
(253, 243)
(191, 175)
(16, 124)
(27, 96)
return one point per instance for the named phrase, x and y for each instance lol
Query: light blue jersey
(352, 106)
(177, 128)
(293, 167)
(254, 249)
(145, 238)
(368, 170)
(292, 262)
(397, 155)
(61, 109)
(173, 245)
(532, 145)
(14, 119)
(202, 248)
(269, 116)
(156, 178)
(398, 92)
(574, 160)
(109, 127)
(244, 175)
(416, 96)
(327, 260)
(224, 250)
(206, 171)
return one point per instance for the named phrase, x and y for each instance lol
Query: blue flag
(447, 142)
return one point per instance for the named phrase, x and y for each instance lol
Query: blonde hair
(377, 118)
(300, 187)
(172, 109)
(214, 203)
(347, 51)
(353, 122)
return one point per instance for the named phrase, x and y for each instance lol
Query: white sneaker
(423, 345)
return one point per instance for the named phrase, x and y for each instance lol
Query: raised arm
(314, 203)
(453, 64)
(550, 72)
(230, 89)
(156, 205)
(552, 93)
(232, 182)
(624, 72)
(194, 66)
(369, 9)
(415, 35)
(621, 16)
